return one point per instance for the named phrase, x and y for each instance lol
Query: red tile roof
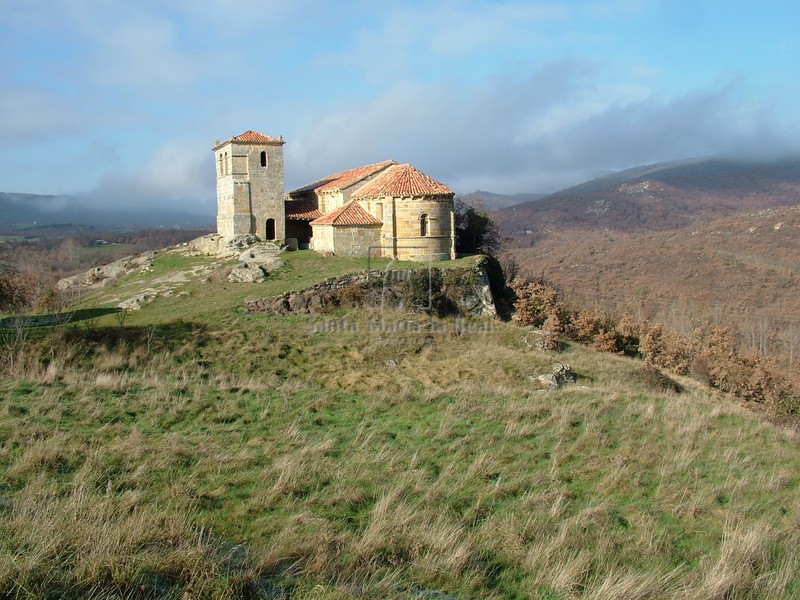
(302, 210)
(350, 214)
(255, 136)
(344, 179)
(250, 137)
(401, 181)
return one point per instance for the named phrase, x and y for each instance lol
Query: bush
(476, 232)
(536, 302)
(710, 357)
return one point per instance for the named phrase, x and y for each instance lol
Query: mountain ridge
(658, 197)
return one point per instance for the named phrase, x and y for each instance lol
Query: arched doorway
(270, 233)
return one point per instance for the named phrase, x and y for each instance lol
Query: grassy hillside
(192, 450)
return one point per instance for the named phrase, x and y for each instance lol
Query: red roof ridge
(251, 137)
(255, 136)
(401, 180)
(351, 213)
(345, 179)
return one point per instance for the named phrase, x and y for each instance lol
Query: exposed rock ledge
(255, 263)
(461, 290)
(106, 274)
(221, 246)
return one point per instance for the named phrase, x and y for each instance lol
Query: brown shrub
(652, 378)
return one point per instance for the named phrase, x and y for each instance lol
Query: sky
(120, 102)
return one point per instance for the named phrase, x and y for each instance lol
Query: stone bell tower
(250, 186)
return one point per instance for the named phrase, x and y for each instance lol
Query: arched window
(270, 229)
(220, 164)
(423, 224)
(263, 158)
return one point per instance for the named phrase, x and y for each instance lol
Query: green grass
(86, 253)
(208, 301)
(197, 450)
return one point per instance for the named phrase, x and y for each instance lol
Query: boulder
(223, 246)
(560, 375)
(246, 273)
(136, 302)
(263, 256)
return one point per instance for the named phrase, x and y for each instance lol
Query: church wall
(322, 240)
(330, 201)
(233, 206)
(346, 241)
(266, 186)
(355, 241)
(402, 228)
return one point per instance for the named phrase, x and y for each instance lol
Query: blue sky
(119, 102)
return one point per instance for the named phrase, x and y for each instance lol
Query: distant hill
(18, 211)
(494, 202)
(658, 197)
(748, 263)
(681, 243)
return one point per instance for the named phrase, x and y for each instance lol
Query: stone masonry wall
(266, 188)
(355, 241)
(437, 240)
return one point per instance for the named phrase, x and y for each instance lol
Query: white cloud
(553, 128)
(177, 176)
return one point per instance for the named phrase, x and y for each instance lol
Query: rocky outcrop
(106, 274)
(476, 298)
(317, 299)
(221, 246)
(458, 290)
(256, 263)
(136, 302)
(560, 375)
(247, 273)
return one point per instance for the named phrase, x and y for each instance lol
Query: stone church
(392, 209)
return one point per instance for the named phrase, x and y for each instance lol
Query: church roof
(401, 181)
(344, 179)
(250, 137)
(255, 136)
(302, 210)
(350, 214)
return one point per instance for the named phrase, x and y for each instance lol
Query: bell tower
(250, 186)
